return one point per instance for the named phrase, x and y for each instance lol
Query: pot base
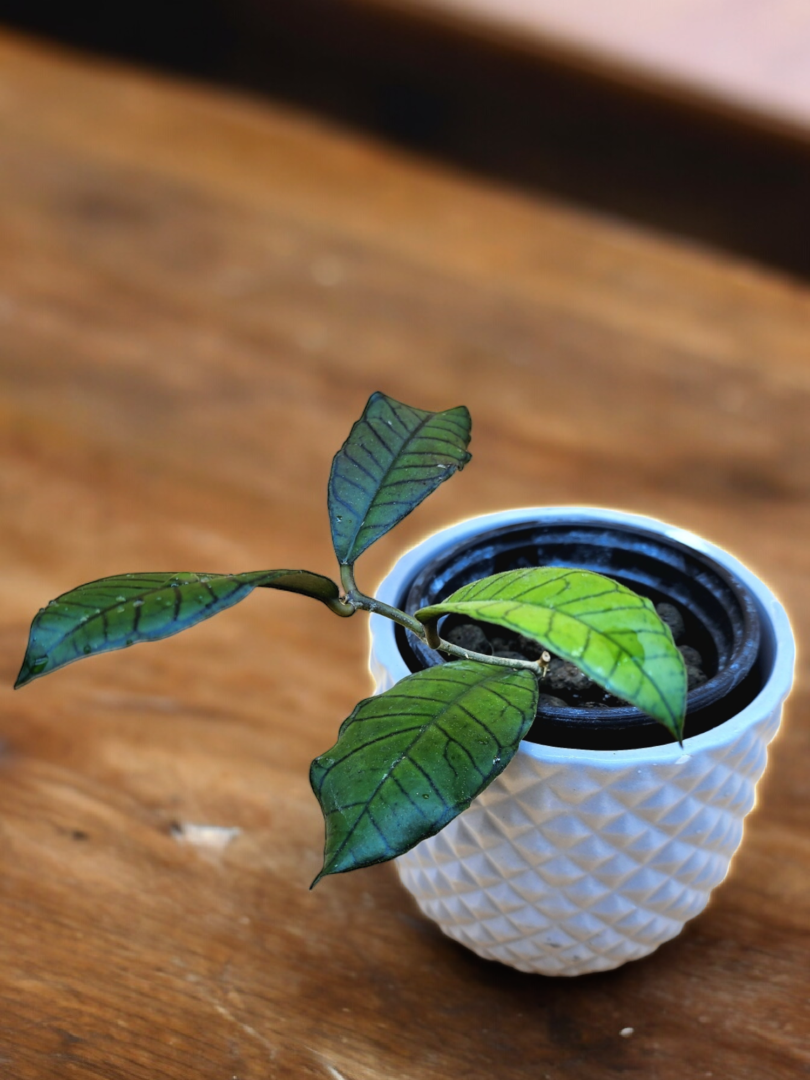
(576, 859)
(563, 870)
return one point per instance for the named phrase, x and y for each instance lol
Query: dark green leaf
(114, 612)
(410, 760)
(608, 631)
(394, 457)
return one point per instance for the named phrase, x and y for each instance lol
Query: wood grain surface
(197, 294)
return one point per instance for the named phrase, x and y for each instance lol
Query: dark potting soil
(564, 684)
(708, 610)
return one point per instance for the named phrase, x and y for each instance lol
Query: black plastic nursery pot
(719, 613)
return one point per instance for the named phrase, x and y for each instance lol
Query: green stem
(347, 579)
(498, 661)
(340, 607)
(368, 603)
(432, 633)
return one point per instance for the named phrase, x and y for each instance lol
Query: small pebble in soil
(532, 650)
(694, 677)
(509, 654)
(690, 656)
(626, 1032)
(469, 636)
(563, 675)
(551, 702)
(670, 615)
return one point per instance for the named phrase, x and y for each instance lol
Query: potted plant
(604, 835)
(409, 762)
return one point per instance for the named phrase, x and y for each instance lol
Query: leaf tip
(676, 727)
(322, 873)
(28, 672)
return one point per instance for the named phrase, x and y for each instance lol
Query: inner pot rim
(669, 567)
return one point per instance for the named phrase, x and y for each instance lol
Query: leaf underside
(394, 457)
(410, 760)
(126, 609)
(613, 635)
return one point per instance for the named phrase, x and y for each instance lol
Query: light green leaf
(410, 760)
(394, 457)
(608, 631)
(114, 612)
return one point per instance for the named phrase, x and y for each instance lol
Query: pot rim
(777, 636)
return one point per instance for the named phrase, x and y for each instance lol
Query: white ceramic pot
(575, 861)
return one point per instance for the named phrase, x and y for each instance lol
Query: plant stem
(340, 607)
(347, 579)
(498, 661)
(368, 603)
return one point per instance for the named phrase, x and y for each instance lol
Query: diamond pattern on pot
(565, 868)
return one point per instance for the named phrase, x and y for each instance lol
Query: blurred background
(692, 116)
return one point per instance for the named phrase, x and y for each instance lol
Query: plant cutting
(408, 761)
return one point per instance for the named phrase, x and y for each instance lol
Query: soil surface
(565, 686)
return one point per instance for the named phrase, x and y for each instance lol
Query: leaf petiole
(427, 634)
(361, 602)
(341, 608)
(484, 658)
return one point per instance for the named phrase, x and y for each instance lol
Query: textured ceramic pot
(578, 860)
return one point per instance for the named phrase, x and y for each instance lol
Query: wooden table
(197, 294)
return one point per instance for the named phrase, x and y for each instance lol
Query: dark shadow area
(478, 105)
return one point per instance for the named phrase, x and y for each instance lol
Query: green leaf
(394, 457)
(408, 761)
(608, 631)
(114, 612)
